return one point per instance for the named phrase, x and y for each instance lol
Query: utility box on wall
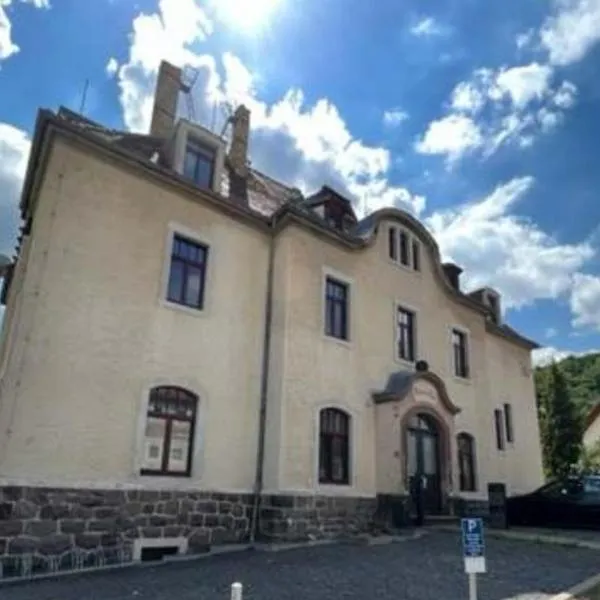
(497, 506)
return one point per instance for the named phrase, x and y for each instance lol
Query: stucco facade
(591, 435)
(89, 336)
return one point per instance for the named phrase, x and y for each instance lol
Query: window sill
(335, 489)
(188, 310)
(409, 364)
(408, 268)
(339, 341)
(462, 380)
(150, 473)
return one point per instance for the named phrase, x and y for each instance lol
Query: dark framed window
(508, 423)
(404, 248)
(460, 353)
(187, 274)
(416, 255)
(393, 243)
(199, 163)
(334, 446)
(336, 308)
(466, 462)
(499, 427)
(169, 434)
(406, 334)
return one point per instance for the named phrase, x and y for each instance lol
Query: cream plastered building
(591, 435)
(183, 327)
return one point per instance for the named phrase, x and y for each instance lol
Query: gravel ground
(428, 568)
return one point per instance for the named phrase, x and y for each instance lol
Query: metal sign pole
(472, 586)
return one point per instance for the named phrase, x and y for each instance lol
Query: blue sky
(479, 117)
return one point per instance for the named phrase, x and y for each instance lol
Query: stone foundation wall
(73, 528)
(294, 518)
(461, 507)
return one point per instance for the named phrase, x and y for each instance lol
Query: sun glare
(246, 15)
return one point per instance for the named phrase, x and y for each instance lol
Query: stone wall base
(295, 518)
(462, 507)
(49, 529)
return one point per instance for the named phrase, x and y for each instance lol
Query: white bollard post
(236, 591)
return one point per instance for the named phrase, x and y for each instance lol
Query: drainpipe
(264, 389)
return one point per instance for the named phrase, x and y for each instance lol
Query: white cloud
(303, 145)
(549, 354)
(500, 249)
(471, 96)
(524, 84)
(112, 66)
(571, 31)
(524, 40)
(427, 27)
(564, 97)
(394, 117)
(452, 136)
(14, 150)
(495, 108)
(585, 301)
(7, 46)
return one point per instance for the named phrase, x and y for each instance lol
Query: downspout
(264, 390)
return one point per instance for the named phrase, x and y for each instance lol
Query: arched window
(169, 434)
(466, 462)
(334, 446)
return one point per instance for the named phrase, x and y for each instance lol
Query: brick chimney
(238, 152)
(166, 95)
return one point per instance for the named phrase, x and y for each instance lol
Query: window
(404, 248)
(508, 423)
(416, 255)
(187, 273)
(466, 462)
(499, 425)
(336, 309)
(393, 243)
(169, 437)
(199, 163)
(406, 334)
(460, 353)
(334, 446)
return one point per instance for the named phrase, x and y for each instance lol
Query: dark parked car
(573, 502)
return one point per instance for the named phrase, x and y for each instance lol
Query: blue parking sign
(472, 538)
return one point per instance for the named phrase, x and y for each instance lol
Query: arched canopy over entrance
(415, 412)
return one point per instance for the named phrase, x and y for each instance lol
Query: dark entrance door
(423, 461)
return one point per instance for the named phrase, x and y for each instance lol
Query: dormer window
(492, 301)
(197, 154)
(404, 248)
(199, 163)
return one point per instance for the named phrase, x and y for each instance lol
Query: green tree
(560, 423)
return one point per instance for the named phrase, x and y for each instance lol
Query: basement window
(158, 553)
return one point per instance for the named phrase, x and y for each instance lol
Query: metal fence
(26, 566)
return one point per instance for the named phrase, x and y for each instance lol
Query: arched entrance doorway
(423, 459)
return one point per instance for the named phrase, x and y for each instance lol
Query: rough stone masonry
(54, 529)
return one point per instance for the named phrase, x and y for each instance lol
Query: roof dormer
(333, 208)
(490, 298)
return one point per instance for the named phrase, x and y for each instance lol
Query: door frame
(443, 449)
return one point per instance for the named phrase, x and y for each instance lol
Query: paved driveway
(429, 568)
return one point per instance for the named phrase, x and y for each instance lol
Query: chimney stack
(238, 152)
(166, 95)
